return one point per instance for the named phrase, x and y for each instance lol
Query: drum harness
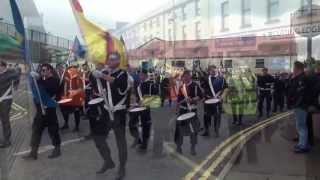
(108, 100)
(8, 94)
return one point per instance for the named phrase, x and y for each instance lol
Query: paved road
(228, 156)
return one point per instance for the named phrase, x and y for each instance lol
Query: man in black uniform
(279, 93)
(46, 116)
(114, 91)
(188, 96)
(265, 83)
(146, 87)
(7, 79)
(214, 87)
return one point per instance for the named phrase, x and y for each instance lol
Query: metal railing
(44, 47)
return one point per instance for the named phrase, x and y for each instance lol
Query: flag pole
(31, 67)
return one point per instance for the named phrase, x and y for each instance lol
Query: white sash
(211, 87)
(7, 95)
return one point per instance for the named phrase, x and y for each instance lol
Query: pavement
(260, 149)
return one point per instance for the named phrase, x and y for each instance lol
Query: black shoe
(64, 127)
(76, 129)
(300, 150)
(55, 153)
(121, 174)
(260, 115)
(5, 144)
(193, 150)
(135, 143)
(179, 150)
(296, 139)
(105, 167)
(88, 137)
(143, 148)
(206, 134)
(32, 156)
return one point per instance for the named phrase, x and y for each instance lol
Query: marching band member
(112, 84)
(73, 97)
(46, 115)
(189, 94)
(265, 88)
(145, 87)
(7, 79)
(213, 87)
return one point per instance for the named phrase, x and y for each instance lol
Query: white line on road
(44, 149)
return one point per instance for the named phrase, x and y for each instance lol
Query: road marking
(44, 149)
(223, 145)
(182, 158)
(242, 139)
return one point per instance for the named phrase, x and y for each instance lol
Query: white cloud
(59, 20)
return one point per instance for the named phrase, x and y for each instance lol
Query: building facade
(225, 23)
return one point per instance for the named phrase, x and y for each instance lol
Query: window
(169, 16)
(183, 13)
(184, 32)
(145, 28)
(197, 8)
(273, 9)
(259, 63)
(305, 2)
(225, 15)
(158, 21)
(197, 30)
(246, 13)
(228, 63)
(169, 35)
(151, 24)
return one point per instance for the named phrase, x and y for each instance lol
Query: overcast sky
(59, 20)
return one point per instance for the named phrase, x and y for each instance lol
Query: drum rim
(193, 114)
(64, 100)
(142, 109)
(101, 100)
(206, 101)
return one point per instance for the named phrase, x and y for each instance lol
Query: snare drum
(96, 108)
(212, 101)
(187, 124)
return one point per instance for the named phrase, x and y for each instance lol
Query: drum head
(186, 116)
(95, 101)
(138, 109)
(212, 101)
(63, 101)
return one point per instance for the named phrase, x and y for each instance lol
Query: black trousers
(40, 122)
(5, 108)
(119, 128)
(278, 101)
(178, 137)
(310, 128)
(212, 110)
(67, 110)
(264, 95)
(145, 118)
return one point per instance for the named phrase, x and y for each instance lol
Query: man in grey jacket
(7, 78)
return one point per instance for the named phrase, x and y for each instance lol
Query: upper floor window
(246, 13)
(273, 10)
(197, 8)
(197, 30)
(225, 16)
(183, 13)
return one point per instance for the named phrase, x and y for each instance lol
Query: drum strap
(211, 87)
(7, 95)
(139, 92)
